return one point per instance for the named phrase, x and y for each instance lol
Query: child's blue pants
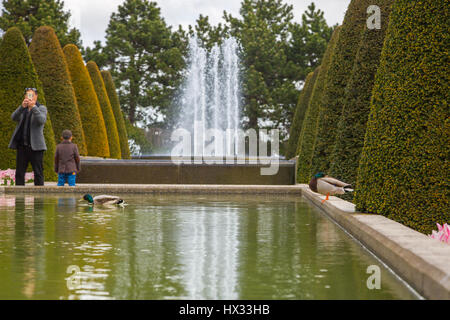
(70, 178)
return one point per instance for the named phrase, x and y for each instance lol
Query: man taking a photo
(28, 138)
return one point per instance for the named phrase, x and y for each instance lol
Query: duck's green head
(319, 175)
(88, 198)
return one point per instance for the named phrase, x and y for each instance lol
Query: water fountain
(210, 117)
(211, 95)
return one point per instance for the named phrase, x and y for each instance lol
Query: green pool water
(181, 247)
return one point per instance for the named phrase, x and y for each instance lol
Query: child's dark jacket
(67, 158)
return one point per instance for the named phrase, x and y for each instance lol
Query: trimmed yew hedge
(118, 115)
(355, 110)
(17, 73)
(307, 138)
(105, 104)
(302, 105)
(50, 64)
(339, 74)
(403, 171)
(88, 105)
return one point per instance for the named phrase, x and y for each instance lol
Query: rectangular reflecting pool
(182, 247)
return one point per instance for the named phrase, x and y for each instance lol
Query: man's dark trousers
(24, 156)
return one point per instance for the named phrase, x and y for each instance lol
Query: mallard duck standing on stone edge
(328, 186)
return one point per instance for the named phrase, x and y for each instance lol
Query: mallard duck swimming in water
(323, 184)
(103, 200)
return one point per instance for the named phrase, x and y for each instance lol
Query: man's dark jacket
(37, 122)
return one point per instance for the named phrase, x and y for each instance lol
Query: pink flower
(8, 177)
(443, 233)
(29, 176)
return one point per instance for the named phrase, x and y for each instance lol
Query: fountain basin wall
(168, 172)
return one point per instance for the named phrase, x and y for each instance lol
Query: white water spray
(211, 95)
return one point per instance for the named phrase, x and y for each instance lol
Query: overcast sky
(91, 17)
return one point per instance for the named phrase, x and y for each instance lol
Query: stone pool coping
(422, 262)
(158, 188)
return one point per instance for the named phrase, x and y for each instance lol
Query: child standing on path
(67, 160)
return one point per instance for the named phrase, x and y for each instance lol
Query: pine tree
(277, 55)
(88, 104)
(297, 123)
(108, 114)
(17, 73)
(403, 171)
(262, 31)
(118, 115)
(309, 40)
(29, 15)
(96, 53)
(51, 67)
(307, 138)
(340, 71)
(355, 111)
(207, 34)
(145, 58)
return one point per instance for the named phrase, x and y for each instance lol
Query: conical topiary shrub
(307, 138)
(302, 105)
(355, 111)
(50, 64)
(108, 115)
(340, 70)
(118, 115)
(403, 171)
(88, 105)
(17, 73)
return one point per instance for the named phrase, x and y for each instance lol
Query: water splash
(210, 99)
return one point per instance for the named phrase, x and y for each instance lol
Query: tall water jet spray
(215, 56)
(210, 99)
(231, 83)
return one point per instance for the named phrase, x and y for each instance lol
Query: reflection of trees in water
(294, 252)
(91, 240)
(303, 255)
(50, 234)
(22, 256)
(271, 256)
(145, 265)
(179, 247)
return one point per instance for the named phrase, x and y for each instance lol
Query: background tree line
(147, 57)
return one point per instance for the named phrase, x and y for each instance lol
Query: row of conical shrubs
(378, 113)
(307, 139)
(302, 106)
(108, 115)
(404, 166)
(118, 115)
(17, 72)
(77, 99)
(48, 59)
(88, 104)
(339, 74)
